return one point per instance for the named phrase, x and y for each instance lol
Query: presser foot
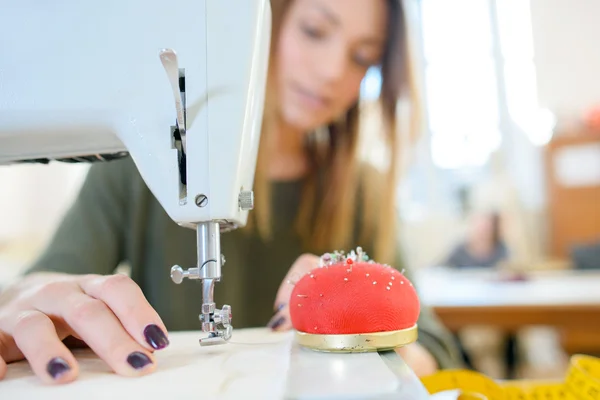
(217, 323)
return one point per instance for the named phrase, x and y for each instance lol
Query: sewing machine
(177, 85)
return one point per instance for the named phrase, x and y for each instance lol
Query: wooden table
(566, 300)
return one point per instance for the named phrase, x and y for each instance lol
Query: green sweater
(116, 219)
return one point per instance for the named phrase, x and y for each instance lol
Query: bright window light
(465, 42)
(460, 82)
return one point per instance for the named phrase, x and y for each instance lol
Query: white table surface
(256, 364)
(441, 287)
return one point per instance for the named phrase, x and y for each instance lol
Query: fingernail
(274, 324)
(57, 367)
(280, 307)
(138, 360)
(156, 337)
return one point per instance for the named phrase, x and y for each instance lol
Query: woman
(484, 246)
(312, 193)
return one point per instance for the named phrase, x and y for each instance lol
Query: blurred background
(500, 203)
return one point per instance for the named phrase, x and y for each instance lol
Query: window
(460, 82)
(479, 78)
(476, 63)
(518, 64)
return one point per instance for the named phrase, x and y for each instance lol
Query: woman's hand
(281, 320)
(109, 313)
(420, 361)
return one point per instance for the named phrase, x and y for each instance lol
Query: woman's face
(324, 50)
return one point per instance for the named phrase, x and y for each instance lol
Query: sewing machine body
(178, 85)
(85, 78)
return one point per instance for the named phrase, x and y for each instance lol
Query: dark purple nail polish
(57, 367)
(156, 337)
(274, 324)
(280, 307)
(138, 360)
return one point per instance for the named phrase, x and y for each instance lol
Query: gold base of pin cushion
(358, 343)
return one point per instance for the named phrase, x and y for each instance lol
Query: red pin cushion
(350, 304)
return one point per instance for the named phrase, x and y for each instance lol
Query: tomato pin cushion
(353, 304)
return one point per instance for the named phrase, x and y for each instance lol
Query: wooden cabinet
(573, 188)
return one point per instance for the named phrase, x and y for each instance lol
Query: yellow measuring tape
(581, 383)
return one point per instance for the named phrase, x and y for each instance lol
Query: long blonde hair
(327, 216)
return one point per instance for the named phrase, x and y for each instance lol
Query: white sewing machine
(178, 85)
